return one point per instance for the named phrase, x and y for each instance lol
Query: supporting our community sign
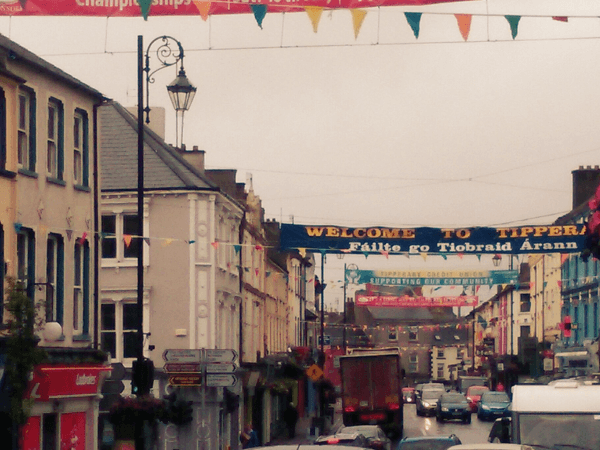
(477, 240)
(431, 277)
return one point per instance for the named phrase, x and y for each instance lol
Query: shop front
(64, 411)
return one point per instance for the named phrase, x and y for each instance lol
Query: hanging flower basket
(133, 409)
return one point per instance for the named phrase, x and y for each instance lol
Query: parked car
(441, 442)
(303, 447)
(474, 394)
(493, 405)
(427, 402)
(408, 393)
(453, 406)
(345, 439)
(375, 435)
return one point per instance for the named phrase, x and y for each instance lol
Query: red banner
(54, 381)
(131, 8)
(407, 301)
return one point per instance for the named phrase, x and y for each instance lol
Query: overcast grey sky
(384, 129)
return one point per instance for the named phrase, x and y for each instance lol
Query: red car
(474, 395)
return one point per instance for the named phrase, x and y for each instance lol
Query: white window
(413, 363)
(25, 156)
(78, 141)
(53, 143)
(440, 371)
(54, 255)
(78, 290)
(119, 329)
(120, 238)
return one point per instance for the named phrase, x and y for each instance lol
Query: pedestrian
(290, 416)
(249, 437)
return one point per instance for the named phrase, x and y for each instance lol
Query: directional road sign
(183, 367)
(314, 372)
(220, 380)
(221, 368)
(214, 355)
(187, 379)
(182, 355)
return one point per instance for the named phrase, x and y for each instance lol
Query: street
(473, 433)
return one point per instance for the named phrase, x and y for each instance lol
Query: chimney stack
(585, 182)
(195, 157)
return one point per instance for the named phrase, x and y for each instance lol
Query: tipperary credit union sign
(477, 240)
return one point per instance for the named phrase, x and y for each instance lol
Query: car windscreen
(495, 397)
(477, 390)
(578, 431)
(431, 394)
(454, 398)
(426, 444)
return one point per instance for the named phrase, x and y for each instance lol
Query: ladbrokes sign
(477, 240)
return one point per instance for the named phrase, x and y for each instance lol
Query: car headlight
(485, 407)
(426, 405)
(444, 409)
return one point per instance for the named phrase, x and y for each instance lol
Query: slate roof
(410, 314)
(164, 168)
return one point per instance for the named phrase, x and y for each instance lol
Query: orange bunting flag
(424, 256)
(461, 255)
(358, 16)
(314, 14)
(127, 239)
(203, 8)
(386, 254)
(464, 24)
(215, 245)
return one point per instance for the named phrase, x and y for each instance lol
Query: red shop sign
(52, 381)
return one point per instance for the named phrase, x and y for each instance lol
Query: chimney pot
(195, 148)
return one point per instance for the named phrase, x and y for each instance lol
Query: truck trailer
(372, 390)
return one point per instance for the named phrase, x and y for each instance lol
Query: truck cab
(565, 414)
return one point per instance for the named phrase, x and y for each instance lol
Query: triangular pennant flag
(358, 15)
(18, 226)
(146, 240)
(564, 257)
(366, 254)
(256, 271)
(23, 3)
(559, 282)
(479, 257)
(461, 255)
(166, 242)
(84, 236)
(44, 229)
(69, 234)
(560, 18)
(464, 24)
(237, 248)
(302, 252)
(126, 238)
(424, 256)
(314, 14)
(145, 7)
(268, 273)
(414, 20)
(386, 254)
(203, 8)
(259, 11)
(513, 21)
(258, 247)
(215, 245)
(443, 255)
(191, 242)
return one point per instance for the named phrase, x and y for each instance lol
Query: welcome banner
(431, 277)
(478, 240)
(407, 301)
(131, 8)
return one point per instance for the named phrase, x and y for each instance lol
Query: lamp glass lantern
(496, 260)
(181, 92)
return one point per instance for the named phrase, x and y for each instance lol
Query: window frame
(81, 146)
(81, 288)
(119, 330)
(123, 255)
(27, 129)
(26, 236)
(55, 162)
(56, 279)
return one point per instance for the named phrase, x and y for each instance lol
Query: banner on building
(431, 277)
(407, 301)
(477, 240)
(131, 8)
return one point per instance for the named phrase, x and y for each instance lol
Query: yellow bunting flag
(424, 256)
(314, 14)
(464, 24)
(302, 252)
(358, 15)
(167, 242)
(203, 8)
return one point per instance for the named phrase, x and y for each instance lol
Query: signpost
(201, 367)
(186, 379)
(220, 380)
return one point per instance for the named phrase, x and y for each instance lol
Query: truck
(564, 414)
(371, 389)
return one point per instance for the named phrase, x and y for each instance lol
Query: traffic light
(179, 411)
(142, 376)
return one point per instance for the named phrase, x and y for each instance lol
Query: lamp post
(182, 93)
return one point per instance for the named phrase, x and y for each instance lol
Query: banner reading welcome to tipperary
(407, 301)
(131, 8)
(431, 277)
(478, 240)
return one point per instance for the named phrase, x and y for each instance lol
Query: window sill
(81, 338)
(7, 173)
(80, 187)
(56, 181)
(113, 263)
(28, 173)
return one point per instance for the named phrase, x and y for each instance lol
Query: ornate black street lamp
(169, 52)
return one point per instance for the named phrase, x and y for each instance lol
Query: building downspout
(97, 256)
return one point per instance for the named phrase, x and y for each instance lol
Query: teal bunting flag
(366, 254)
(414, 20)
(237, 248)
(18, 226)
(482, 322)
(259, 11)
(513, 21)
(443, 255)
(191, 242)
